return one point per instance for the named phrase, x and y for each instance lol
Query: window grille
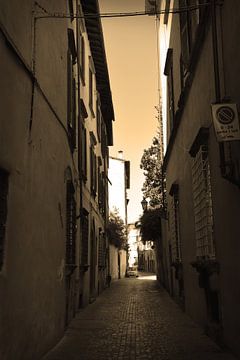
(202, 201)
(71, 225)
(85, 226)
(3, 212)
(101, 250)
(174, 227)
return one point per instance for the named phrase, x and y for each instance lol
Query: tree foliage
(151, 224)
(116, 231)
(152, 170)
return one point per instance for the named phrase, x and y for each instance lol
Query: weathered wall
(123, 263)
(118, 262)
(117, 186)
(113, 255)
(32, 288)
(225, 195)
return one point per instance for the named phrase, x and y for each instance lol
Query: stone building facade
(199, 68)
(56, 126)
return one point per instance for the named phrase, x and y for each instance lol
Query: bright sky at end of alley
(131, 49)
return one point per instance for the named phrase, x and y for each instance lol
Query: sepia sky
(131, 49)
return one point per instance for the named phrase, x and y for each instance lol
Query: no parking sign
(226, 122)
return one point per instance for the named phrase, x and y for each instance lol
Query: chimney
(120, 154)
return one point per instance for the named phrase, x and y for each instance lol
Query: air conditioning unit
(151, 7)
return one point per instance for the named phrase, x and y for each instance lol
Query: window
(85, 228)
(3, 212)
(71, 12)
(93, 165)
(189, 22)
(90, 89)
(127, 174)
(168, 71)
(185, 31)
(93, 172)
(83, 152)
(103, 193)
(99, 120)
(70, 225)
(167, 6)
(202, 201)
(99, 183)
(91, 86)
(174, 223)
(71, 91)
(82, 58)
(82, 142)
(101, 249)
(103, 140)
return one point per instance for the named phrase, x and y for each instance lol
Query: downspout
(217, 78)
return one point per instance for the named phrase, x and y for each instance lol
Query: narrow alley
(135, 319)
(119, 154)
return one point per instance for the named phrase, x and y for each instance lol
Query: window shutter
(3, 212)
(85, 226)
(71, 225)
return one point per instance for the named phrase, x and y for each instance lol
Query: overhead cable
(178, 10)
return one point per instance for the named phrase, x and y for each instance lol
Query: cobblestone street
(134, 319)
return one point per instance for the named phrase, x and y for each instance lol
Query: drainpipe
(217, 77)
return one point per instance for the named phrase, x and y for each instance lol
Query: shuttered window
(189, 23)
(82, 58)
(93, 167)
(168, 71)
(101, 250)
(91, 90)
(71, 12)
(70, 225)
(85, 228)
(99, 185)
(71, 90)
(99, 120)
(103, 140)
(185, 32)
(3, 212)
(82, 150)
(174, 223)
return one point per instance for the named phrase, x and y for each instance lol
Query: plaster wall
(225, 196)
(113, 254)
(123, 263)
(117, 187)
(32, 287)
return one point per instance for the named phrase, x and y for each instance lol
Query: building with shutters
(199, 63)
(56, 126)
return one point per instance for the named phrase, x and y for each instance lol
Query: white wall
(117, 192)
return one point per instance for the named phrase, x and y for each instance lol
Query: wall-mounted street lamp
(144, 204)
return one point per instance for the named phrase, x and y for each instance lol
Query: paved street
(134, 319)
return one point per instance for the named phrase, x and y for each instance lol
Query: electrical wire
(120, 14)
